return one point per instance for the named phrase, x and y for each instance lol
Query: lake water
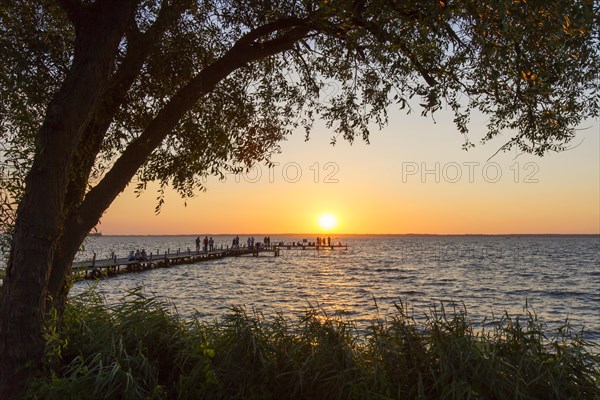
(559, 276)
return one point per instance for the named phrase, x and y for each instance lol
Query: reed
(141, 349)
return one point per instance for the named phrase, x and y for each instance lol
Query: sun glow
(327, 221)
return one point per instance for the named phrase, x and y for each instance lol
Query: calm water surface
(558, 276)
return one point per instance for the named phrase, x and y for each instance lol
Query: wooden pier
(103, 268)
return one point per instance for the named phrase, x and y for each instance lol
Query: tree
(95, 93)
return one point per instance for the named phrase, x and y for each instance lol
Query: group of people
(265, 243)
(208, 244)
(251, 242)
(324, 241)
(321, 242)
(137, 255)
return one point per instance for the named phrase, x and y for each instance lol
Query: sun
(327, 221)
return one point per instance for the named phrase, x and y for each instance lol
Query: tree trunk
(58, 286)
(95, 131)
(24, 290)
(40, 215)
(74, 232)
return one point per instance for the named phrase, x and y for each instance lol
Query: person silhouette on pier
(205, 244)
(198, 243)
(211, 243)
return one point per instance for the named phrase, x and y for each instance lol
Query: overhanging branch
(245, 51)
(74, 10)
(272, 27)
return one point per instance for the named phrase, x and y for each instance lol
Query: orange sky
(413, 178)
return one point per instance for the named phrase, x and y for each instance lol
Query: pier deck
(99, 268)
(102, 268)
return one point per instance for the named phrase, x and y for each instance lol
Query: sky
(413, 177)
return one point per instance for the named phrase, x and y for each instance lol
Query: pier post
(94, 260)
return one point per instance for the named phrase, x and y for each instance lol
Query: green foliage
(141, 349)
(35, 52)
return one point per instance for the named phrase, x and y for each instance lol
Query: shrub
(140, 348)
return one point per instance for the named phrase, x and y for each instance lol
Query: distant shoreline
(510, 235)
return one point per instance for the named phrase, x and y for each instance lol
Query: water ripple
(558, 276)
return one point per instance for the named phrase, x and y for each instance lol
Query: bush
(141, 349)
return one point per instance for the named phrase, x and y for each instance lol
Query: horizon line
(348, 234)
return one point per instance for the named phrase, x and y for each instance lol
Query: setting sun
(327, 221)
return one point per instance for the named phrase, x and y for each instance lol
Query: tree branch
(74, 10)
(359, 20)
(272, 27)
(244, 51)
(279, 44)
(381, 36)
(307, 71)
(417, 64)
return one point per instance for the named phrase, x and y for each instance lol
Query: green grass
(141, 349)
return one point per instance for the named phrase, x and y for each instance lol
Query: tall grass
(141, 349)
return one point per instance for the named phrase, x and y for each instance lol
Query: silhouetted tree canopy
(531, 66)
